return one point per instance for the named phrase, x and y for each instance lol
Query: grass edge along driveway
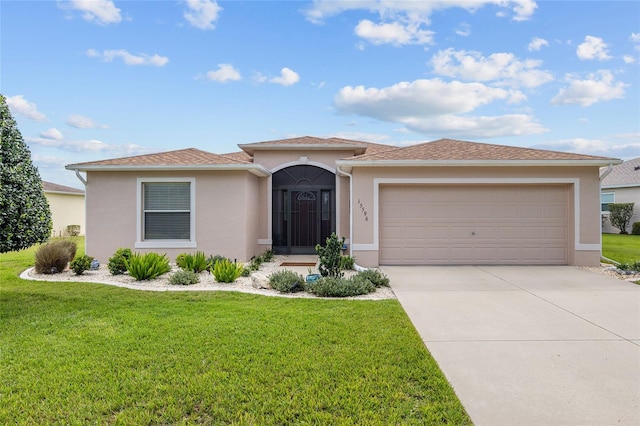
(87, 353)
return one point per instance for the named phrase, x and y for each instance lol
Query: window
(166, 213)
(607, 198)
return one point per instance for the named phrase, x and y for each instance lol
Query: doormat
(298, 264)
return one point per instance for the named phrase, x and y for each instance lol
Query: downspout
(602, 176)
(350, 176)
(79, 176)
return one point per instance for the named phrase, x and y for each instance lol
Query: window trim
(140, 241)
(612, 202)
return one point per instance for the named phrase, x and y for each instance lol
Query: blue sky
(94, 79)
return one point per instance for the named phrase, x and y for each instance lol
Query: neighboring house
(442, 202)
(66, 205)
(621, 185)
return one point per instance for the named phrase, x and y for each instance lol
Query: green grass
(621, 248)
(77, 353)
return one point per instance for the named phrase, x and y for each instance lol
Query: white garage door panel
(512, 224)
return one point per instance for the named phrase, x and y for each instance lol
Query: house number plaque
(364, 211)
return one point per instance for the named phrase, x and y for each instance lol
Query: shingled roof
(625, 174)
(444, 150)
(185, 157)
(314, 143)
(54, 187)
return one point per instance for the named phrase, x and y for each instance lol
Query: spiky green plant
(227, 272)
(147, 266)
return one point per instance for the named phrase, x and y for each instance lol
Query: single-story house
(67, 207)
(621, 184)
(441, 202)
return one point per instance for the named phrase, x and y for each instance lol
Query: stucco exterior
(623, 195)
(234, 214)
(67, 208)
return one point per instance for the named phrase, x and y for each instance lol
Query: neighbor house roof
(455, 152)
(190, 158)
(313, 143)
(623, 175)
(60, 189)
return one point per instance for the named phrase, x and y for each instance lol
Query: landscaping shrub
(184, 277)
(227, 272)
(620, 215)
(147, 266)
(118, 262)
(70, 247)
(193, 262)
(347, 262)
(52, 258)
(330, 256)
(376, 277)
(340, 287)
(81, 264)
(212, 260)
(73, 230)
(286, 281)
(267, 255)
(635, 228)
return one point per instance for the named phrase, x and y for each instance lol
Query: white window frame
(601, 203)
(140, 241)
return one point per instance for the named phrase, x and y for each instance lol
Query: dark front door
(303, 209)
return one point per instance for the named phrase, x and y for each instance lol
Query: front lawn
(621, 248)
(76, 353)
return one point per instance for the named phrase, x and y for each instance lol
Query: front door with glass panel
(303, 209)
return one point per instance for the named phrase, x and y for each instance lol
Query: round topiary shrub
(118, 262)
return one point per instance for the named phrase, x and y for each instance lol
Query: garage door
(510, 224)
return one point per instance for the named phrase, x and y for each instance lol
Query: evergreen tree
(25, 218)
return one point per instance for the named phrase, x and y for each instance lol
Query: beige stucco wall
(624, 195)
(272, 160)
(584, 249)
(226, 213)
(66, 209)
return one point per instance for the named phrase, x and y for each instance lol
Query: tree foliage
(620, 215)
(330, 256)
(25, 218)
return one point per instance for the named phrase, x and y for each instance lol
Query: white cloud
(628, 59)
(102, 12)
(537, 43)
(52, 133)
(436, 107)
(287, 77)
(202, 14)
(403, 22)
(394, 33)
(87, 146)
(635, 37)
(81, 122)
(477, 127)
(617, 146)
(598, 87)
(19, 105)
(128, 58)
(593, 48)
(361, 136)
(225, 72)
(463, 30)
(418, 98)
(503, 68)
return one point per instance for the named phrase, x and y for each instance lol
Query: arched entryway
(304, 211)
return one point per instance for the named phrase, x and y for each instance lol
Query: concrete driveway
(530, 345)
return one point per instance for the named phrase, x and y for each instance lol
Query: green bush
(212, 260)
(226, 272)
(197, 262)
(267, 255)
(286, 281)
(73, 230)
(52, 258)
(184, 277)
(330, 256)
(620, 215)
(635, 228)
(147, 266)
(340, 287)
(376, 277)
(118, 262)
(347, 262)
(81, 264)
